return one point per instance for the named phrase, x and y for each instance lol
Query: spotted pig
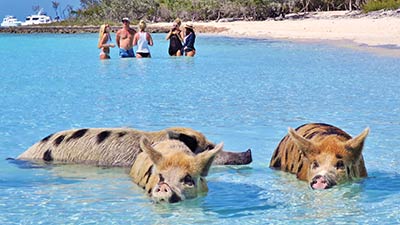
(120, 146)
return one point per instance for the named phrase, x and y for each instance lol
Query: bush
(374, 5)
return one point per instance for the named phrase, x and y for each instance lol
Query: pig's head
(178, 174)
(331, 160)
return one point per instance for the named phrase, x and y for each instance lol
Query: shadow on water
(20, 173)
(223, 200)
(22, 164)
(235, 199)
(380, 185)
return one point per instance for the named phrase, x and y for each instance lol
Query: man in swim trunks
(124, 39)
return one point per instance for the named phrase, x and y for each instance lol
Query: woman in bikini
(175, 37)
(143, 40)
(105, 41)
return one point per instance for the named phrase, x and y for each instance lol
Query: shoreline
(377, 33)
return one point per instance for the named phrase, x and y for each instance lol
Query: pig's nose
(321, 182)
(164, 193)
(163, 188)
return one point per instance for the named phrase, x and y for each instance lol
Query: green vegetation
(374, 5)
(94, 12)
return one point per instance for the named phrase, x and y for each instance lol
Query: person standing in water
(190, 38)
(124, 39)
(143, 40)
(105, 43)
(175, 37)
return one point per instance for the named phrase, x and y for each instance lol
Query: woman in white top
(105, 41)
(142, 39)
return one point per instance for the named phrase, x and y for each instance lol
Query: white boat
(10, 21)
(40, 18)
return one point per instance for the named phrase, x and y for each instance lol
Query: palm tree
(55, 7)
(36, 8)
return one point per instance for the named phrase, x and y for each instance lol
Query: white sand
(367, 31)
(373, 32)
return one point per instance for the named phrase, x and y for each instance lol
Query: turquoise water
(241, 91)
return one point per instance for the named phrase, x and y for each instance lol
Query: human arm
(149, 39)
(103, 42)
(135, 39)
(180, 35)
(117, 38)
(168, 35)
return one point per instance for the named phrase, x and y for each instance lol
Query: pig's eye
(315, 165)
(188, 180)
(340, 165)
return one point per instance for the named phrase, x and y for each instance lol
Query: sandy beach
(372, 33)
(377, 32)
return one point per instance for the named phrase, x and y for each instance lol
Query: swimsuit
(102, 52)
(144, 54)
(188, 45)
(143, 46)
(174, 44)
(123, 53)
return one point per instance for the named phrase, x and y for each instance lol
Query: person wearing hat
(143, 40)
(124, 39)
(175, 37)
(190, 38)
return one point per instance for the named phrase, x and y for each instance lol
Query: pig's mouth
(174, 198)
(320, 182)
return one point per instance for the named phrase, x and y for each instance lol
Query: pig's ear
(154, 155)
(205, 159)
(305, 145)
(356, 144)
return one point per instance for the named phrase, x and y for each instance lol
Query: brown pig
(321, 154)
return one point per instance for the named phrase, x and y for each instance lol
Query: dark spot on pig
(77, 134)
(58, 140)
(47, 138)
(121, 134)
(47, 155)
(102, 136)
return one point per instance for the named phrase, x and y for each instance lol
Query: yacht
(10, 21)
(40, 18)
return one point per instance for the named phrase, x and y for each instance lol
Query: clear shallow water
(243, 92)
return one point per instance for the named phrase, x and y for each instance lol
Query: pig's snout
(321, 182)
(163, 193)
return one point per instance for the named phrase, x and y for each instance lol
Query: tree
(69, 9)
(55, 5)
(36, 9)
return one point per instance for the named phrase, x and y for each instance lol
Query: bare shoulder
(104, 38)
